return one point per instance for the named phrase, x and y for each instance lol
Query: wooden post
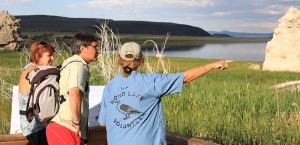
(13, 139)
(175, 139)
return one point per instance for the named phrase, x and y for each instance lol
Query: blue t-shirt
(131, 107)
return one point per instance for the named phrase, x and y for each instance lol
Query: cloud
(196, 3)
(267, 25)
(16, 1)
(255, 27)
(273, 10)
(142, 3)
(106, 3)
(288, 0)
(222, 14)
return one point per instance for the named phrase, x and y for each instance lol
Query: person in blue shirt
(131, 107)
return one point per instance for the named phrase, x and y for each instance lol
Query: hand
(222, 65)
(77, 127)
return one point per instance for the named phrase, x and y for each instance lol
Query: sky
(252, 16)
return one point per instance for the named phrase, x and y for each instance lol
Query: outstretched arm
(194, 73)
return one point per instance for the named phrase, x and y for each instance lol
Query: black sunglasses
(42, 44)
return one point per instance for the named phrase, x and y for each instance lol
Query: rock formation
(292, 85)
(9, 31)
(283, 51)
(254, 66)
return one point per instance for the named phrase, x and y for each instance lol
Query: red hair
(38, 48)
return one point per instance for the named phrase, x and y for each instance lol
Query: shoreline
(173, 40)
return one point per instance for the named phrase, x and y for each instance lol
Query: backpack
(43, 102)
(44, 99)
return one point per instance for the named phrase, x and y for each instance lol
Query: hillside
(241, 34)
(63, 24)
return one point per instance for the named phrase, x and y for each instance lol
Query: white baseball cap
(130, 48)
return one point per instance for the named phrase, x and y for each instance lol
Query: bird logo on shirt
(127, 110)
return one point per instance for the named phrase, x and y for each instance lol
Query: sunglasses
(42, 44)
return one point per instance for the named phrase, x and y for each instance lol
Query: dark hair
(38, 48)
(82, 38)
(129, 66)
(127, 70)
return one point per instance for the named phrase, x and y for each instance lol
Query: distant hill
(64, 24)
(241, 34)
(221, 35)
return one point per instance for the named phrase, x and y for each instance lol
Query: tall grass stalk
(105, 67)
(6, 90)
(161, 65)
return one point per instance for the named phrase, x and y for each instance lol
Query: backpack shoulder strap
(63, 67)
(65, 96)
(43, 73)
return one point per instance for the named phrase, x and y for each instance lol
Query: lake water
(235, 51)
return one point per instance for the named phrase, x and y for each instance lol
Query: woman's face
(46, 59)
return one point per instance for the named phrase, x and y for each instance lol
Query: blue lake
(235, 51)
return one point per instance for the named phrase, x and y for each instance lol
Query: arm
(75, 103)
(102, 107)
(194, 73)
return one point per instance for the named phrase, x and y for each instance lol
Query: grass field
(235, 106)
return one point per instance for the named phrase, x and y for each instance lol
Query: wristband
(77, 124)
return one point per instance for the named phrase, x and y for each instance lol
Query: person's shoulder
(45, 67)
(116, 78)
(25, 72)
(29, 66)
(155, 75)
(74, 60)
(71, 58)
(146, 76)
(29, 69)
(149, 74)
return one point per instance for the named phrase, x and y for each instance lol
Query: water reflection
(236, 51)
(177, 48)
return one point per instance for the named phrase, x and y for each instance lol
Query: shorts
(60, 135)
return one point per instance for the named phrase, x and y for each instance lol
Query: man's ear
(81, 48)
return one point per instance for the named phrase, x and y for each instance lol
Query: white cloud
(273, 10)
(201, 3)
(16, 1)
(142, 3)
(221, 14)
(107, 3)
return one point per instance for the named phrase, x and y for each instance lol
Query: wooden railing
(98, 136)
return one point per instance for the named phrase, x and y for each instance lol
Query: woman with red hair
(41, 54)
